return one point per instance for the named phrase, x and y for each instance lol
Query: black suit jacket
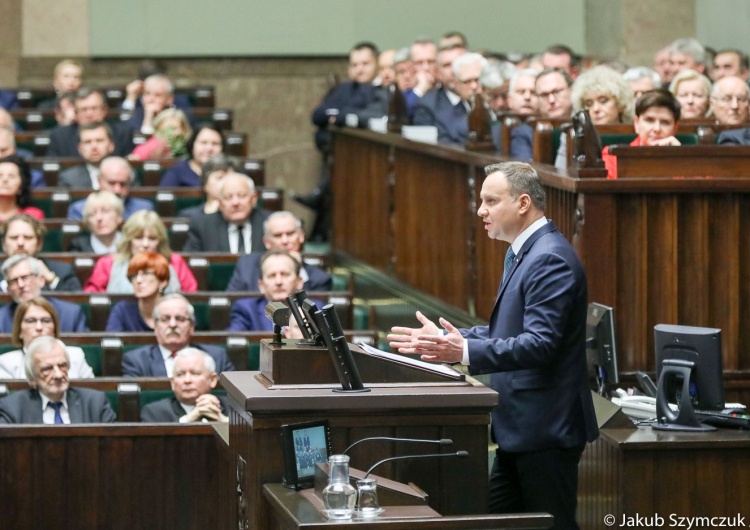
(735, 137)
(147, 361)
(452, 121)
(84, 406)
(169, 410)
(67, 274)
(63, 140)
(247, 273)
(81, 243)
(209, 232)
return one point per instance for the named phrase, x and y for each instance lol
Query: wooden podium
(405, 400)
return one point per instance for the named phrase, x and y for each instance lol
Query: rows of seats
(197, 96)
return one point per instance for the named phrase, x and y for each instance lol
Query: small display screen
(310, 447)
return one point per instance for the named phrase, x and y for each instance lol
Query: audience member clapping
(34, 318)
(143, 232)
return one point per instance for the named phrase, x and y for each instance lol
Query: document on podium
(441, 369)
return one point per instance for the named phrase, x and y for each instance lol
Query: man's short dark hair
(658, 98)
(744, 60)
(455, 34)
(547, 71)
(562, 49)
(96, 125)
(220, 162)
(279, 252)
(522, 179)
(85, 92)
(69, 95)
(366, 45)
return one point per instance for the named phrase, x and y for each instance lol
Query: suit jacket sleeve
(80, 325)
(245, 271)
(159, 412)
(97, 408)
(423, 115)
(67, 275)
(521, 140)
(319, 280)
(132, 365)
(194, 241)
(239, 317)
(97, 282)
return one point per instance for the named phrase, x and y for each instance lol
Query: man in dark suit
(534, 347)
(174, 325)
(238, 225)
(50, 399)
(279, 279)
(735, 137)
(24, 280)
(94, 145)
(193, 379)
(90, 107)
(280, 230)
(23, 234)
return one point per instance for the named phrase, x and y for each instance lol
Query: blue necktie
(57, 406)
(509, 257)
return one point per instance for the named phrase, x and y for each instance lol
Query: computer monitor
(689, 373)
(601, 351)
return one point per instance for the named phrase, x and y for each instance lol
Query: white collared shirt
(94, 174)
(48, 413)
(99, 248)
(234, 239)
(168, 360)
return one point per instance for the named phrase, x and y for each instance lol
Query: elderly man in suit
(238, 225)
(280, 230)
(24, 279)
(193, 379)
(90, 106)
(94, 145)
(174, 325)
(50, 399)
(117, 176)
(23, 234)
(534, 347)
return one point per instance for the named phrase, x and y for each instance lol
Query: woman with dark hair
(34, 318)
(15, 189)
(205, 142)
(149, 274)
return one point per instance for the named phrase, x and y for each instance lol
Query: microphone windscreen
(446, 441)
(462, 454)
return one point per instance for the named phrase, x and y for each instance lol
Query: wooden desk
(650, 472)
(294, 510)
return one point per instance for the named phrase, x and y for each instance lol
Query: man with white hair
(51, 400)
(687, 54)
(193, 378)
(641, 79)
(729, 101)
(158, 94)
(238, 225)
(116, 176)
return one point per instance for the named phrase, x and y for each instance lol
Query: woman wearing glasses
(148, 272)
(36, 318)
(144, 231)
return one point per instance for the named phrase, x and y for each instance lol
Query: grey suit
(734, 137)
(210, 232)
(77, 177)
(84, 406)
(169, 410)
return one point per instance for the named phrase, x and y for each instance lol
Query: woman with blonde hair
(172, 130)
(143, 232)
(693, 91)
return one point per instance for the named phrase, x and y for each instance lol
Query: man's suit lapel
(158, 367)
(75, 406)
(222, 232)
(177, 408)
(35, 411)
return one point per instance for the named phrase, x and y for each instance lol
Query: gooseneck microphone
(442, 441)
(459, 454)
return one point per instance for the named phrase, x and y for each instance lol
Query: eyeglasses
(556, 93)
(726, 100)
(26, 278)
(145, 273)
(468, 81)
(166, 319)
(31, 321)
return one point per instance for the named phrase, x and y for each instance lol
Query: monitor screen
(601, 351)
(304, 445)
(701, 346)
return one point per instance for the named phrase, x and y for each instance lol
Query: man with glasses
(90, 107)
(174, 325)
(115, 175)
(25, 281)
(51, 400)
(553, 91)
(729, 101)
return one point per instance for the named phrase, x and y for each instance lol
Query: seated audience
(205, 142)
(67, 77)
(729, 101)
(215, 169)
(553, 94)
(194, 377)
(158, 95)
(641, 79)
(171, 133)
(8, 148)
(423, 55)
(692, 90)
(149, 274)
(94, 145)
(281, 230)
(657, 114)
(496, 84)
(115, 176)
(452, 39)
(143, 232)
(523, 101)
(730, 62)
(51, 400)
(22, 234)
(8, 99)
(238, 225)
(15, 189)
(23, 276)
(90, 107)
(102, 212)
(386, 73)
(561, 57)
(174, 325)
(606, 95)
(65, 110)
(279, 279)
(661, 66)
(687, 54)
(37, 317)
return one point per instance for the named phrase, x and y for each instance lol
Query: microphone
(442, 441)
(459, 454)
